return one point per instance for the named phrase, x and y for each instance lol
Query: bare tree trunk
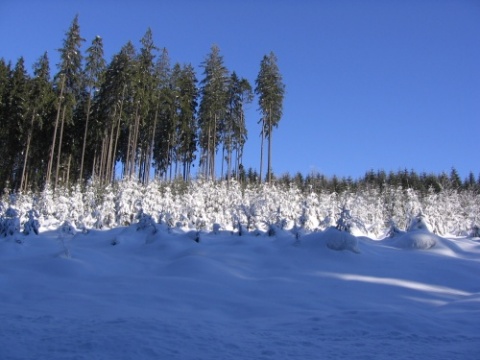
(108, 165)
(85, 135)
(133, 153)
(269, 170)
(54, 140)
(152, 145)
(222, 162)
(117, 137)
(214, 146)
(68, 170)
(27, 152)
(60, 140)
(261, 150)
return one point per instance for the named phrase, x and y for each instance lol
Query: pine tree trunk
(269, 170)
(60, 141)
(54, 140)
(85, 136)
(108, 165)
(214, 146)
(117, 136)
(133, 153)
(261, 150)
(152, 144)
(27, 152)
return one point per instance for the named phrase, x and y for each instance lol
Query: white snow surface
(144, 294)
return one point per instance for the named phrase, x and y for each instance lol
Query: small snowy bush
(417, 239)
(9, 223)
(146, 222)
(32, 225)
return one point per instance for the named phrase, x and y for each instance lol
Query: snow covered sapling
(67, 231)
(346, 222)
(393, 230)
(475, 233)
(32, 225)
(216, 228)
(418, 223)
(145, 221)
(9, 222)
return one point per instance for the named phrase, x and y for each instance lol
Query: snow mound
(416, 239)
(333, 239)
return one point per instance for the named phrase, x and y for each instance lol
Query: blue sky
(369, 84)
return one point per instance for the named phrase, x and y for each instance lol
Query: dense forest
(140, 117)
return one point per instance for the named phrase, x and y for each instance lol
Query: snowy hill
(149, 292)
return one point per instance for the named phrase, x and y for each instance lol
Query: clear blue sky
(369, 84)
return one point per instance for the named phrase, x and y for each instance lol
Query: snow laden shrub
(419, 240)
(9, 222)
(418, 222)
(475, 232)
(393, 230)
(417, 236)
(32, 225)
(146, 222)
(66, 232)
(339, 240)
(332, 239)
(129, 194)
(347, 222)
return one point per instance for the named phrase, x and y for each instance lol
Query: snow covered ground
(134, 294)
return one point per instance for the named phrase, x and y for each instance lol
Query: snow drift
(154, 292)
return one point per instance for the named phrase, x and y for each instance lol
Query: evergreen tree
(235, 131)
(213, 108)
(139, 140)
(114, 109)
(41, 97)
(165, 104)
(271, 90)
(187, 122)
(455, 181)
(94, 72)
(16, 108)
(69, 82)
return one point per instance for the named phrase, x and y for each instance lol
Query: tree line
(137, 116)
(423, 182)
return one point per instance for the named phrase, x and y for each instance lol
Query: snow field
(144, 294)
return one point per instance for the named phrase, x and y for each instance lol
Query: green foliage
(270, 90)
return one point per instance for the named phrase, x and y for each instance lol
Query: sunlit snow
(153, 293)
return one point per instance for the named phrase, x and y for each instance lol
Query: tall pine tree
(94, 72)
(69, 82)
(271, 90)
(213, 108)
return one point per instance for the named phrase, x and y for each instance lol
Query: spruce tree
(271, 90)
(94, 72)
(41, 97)
(235, 131)
(69, 83)
(187, 120)
(213, 107)
(114, 109)
(15, 125)
(143, 98)
(165, 103)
